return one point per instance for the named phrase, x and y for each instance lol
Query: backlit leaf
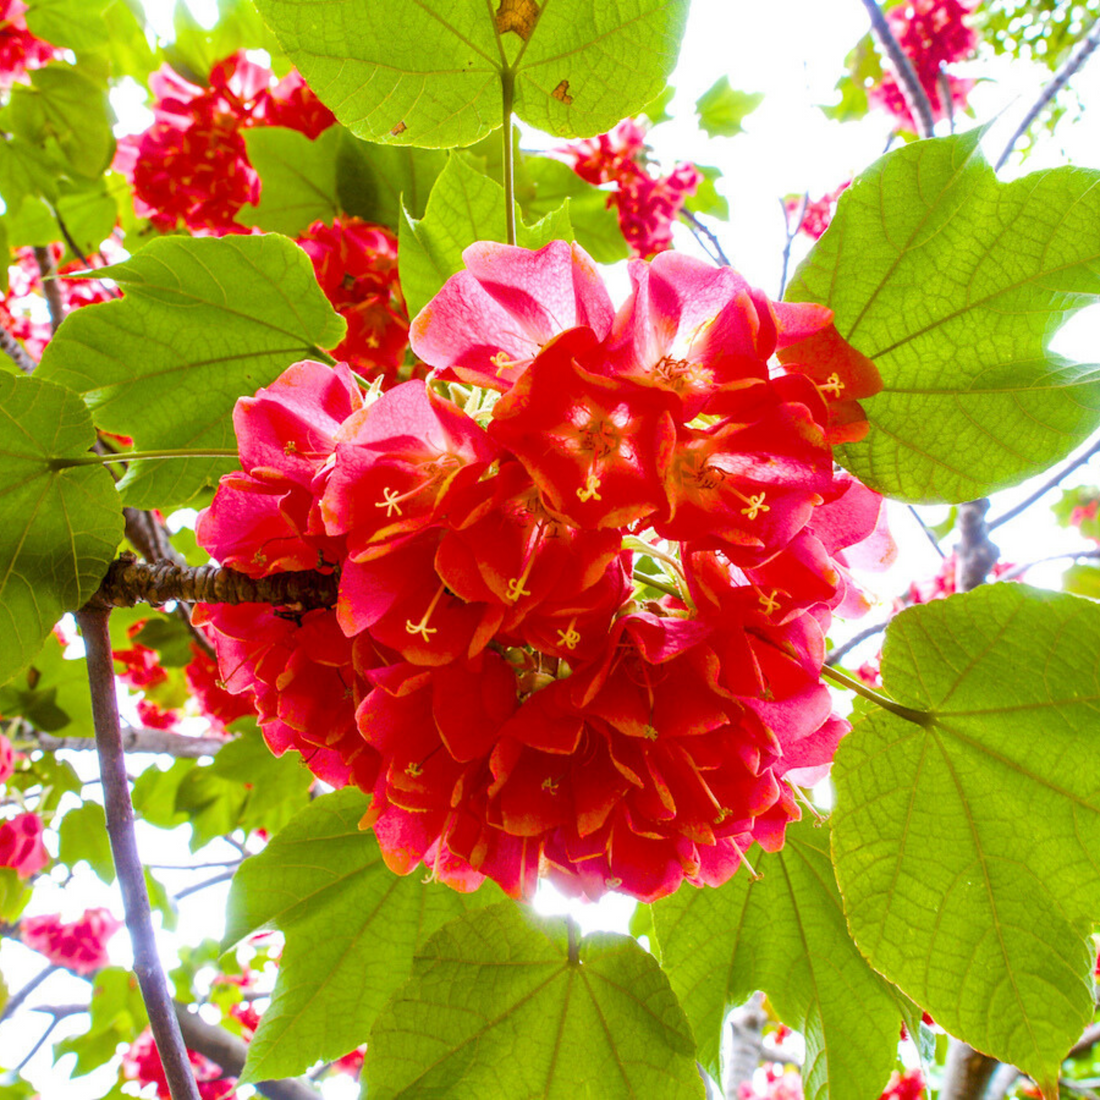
(966, 846)
(722, 109)
(58, 527)
(954, 283)
(298, 178)
(351, 928)
(464, 206)
(203, 322)
(428, 72)
(784, 934)
(496, 1007)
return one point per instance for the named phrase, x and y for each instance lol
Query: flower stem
(508, 87)
(135, 456)
(920, 717)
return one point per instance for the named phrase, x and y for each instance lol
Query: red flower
(218, 706)
(19, 49)
(816, 215)
(905, 1086)
(356, 265)
(7, 759)
(155, 717)
(351, 1063)
(933, 33)
(497, 674)
(141, 1063)
(81, 945)
(647, 204)
(21, 846)
(191, 166)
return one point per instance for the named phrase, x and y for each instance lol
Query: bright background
(793, 51)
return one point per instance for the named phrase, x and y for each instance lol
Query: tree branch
(16, 352)
(131, 873)
(966, 1072)
(1085, 49)
(50, 286)
(229, 1052)
(916, 99)
(1051, 483)
(747, 1044)
(129, 582)
(698, 227)
(791, 234)
(975, 554)
(17, 998)
(139, 739)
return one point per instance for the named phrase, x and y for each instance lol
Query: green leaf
(76, 24)
(351, 928)
(83, 835)
(65, 111)
(706, 199)
(965, 847)
(464, 206)
(298, 178)
(274, 788)
(657, 109)
(195, 49)
(496, 1006)
(160, 901)
(155, 792)
(954, 283)
(169, 636)
(374, 180)
(52, 694)
(784, 934)
(1082, 580)
(14, 894)
(429, 73)
(116, 1015)
(595, 225)
(203, 322)
(722, 109)
(58, 527)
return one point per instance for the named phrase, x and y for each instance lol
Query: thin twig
(1085, 49)
(721, 258)
(791, 234)
(1075, 555)
(54, 1021)
(1050, 483)
(16, 352)
(93, 623)
(140, 739)
(916, 99)
(16, 999)
(943, 83)
(224, 877)
(929, 533)
(842, 651)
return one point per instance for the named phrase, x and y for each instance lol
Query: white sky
(793, 51)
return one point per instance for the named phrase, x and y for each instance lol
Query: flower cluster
(356, 266)
(19, 49)
(933, 33)
(647, 205)
(142, 1063)
(584, 575)
(81, 945)
(815, 215)
(7, 759)
(786, 1084)
(191, 166)
(21, 846)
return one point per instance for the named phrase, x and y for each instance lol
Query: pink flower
(141, 1063)
(19, 49)
(21, 846)
(817, 214)
(80, 946)
(7, 759)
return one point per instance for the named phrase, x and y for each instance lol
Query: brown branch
(916, 99)
(131, 874)
(966, 1072)
(229, 1052)
(139, 739)
(50, 286)
(747, 1044)
(1084, 51)
(17, 998)
(975, 554)
(129, 582)
(1052, 483)
(16, 352)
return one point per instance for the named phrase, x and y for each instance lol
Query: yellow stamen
(769, 603)
(568, 637)
(723, 813)
(414, 770)
(291, 448)
(422, 626)
(550, 785)
(614, 883)
(390, 503)
(833, 386)
(589, 492)
(650, 733)
(516, 589)
(756, 505)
